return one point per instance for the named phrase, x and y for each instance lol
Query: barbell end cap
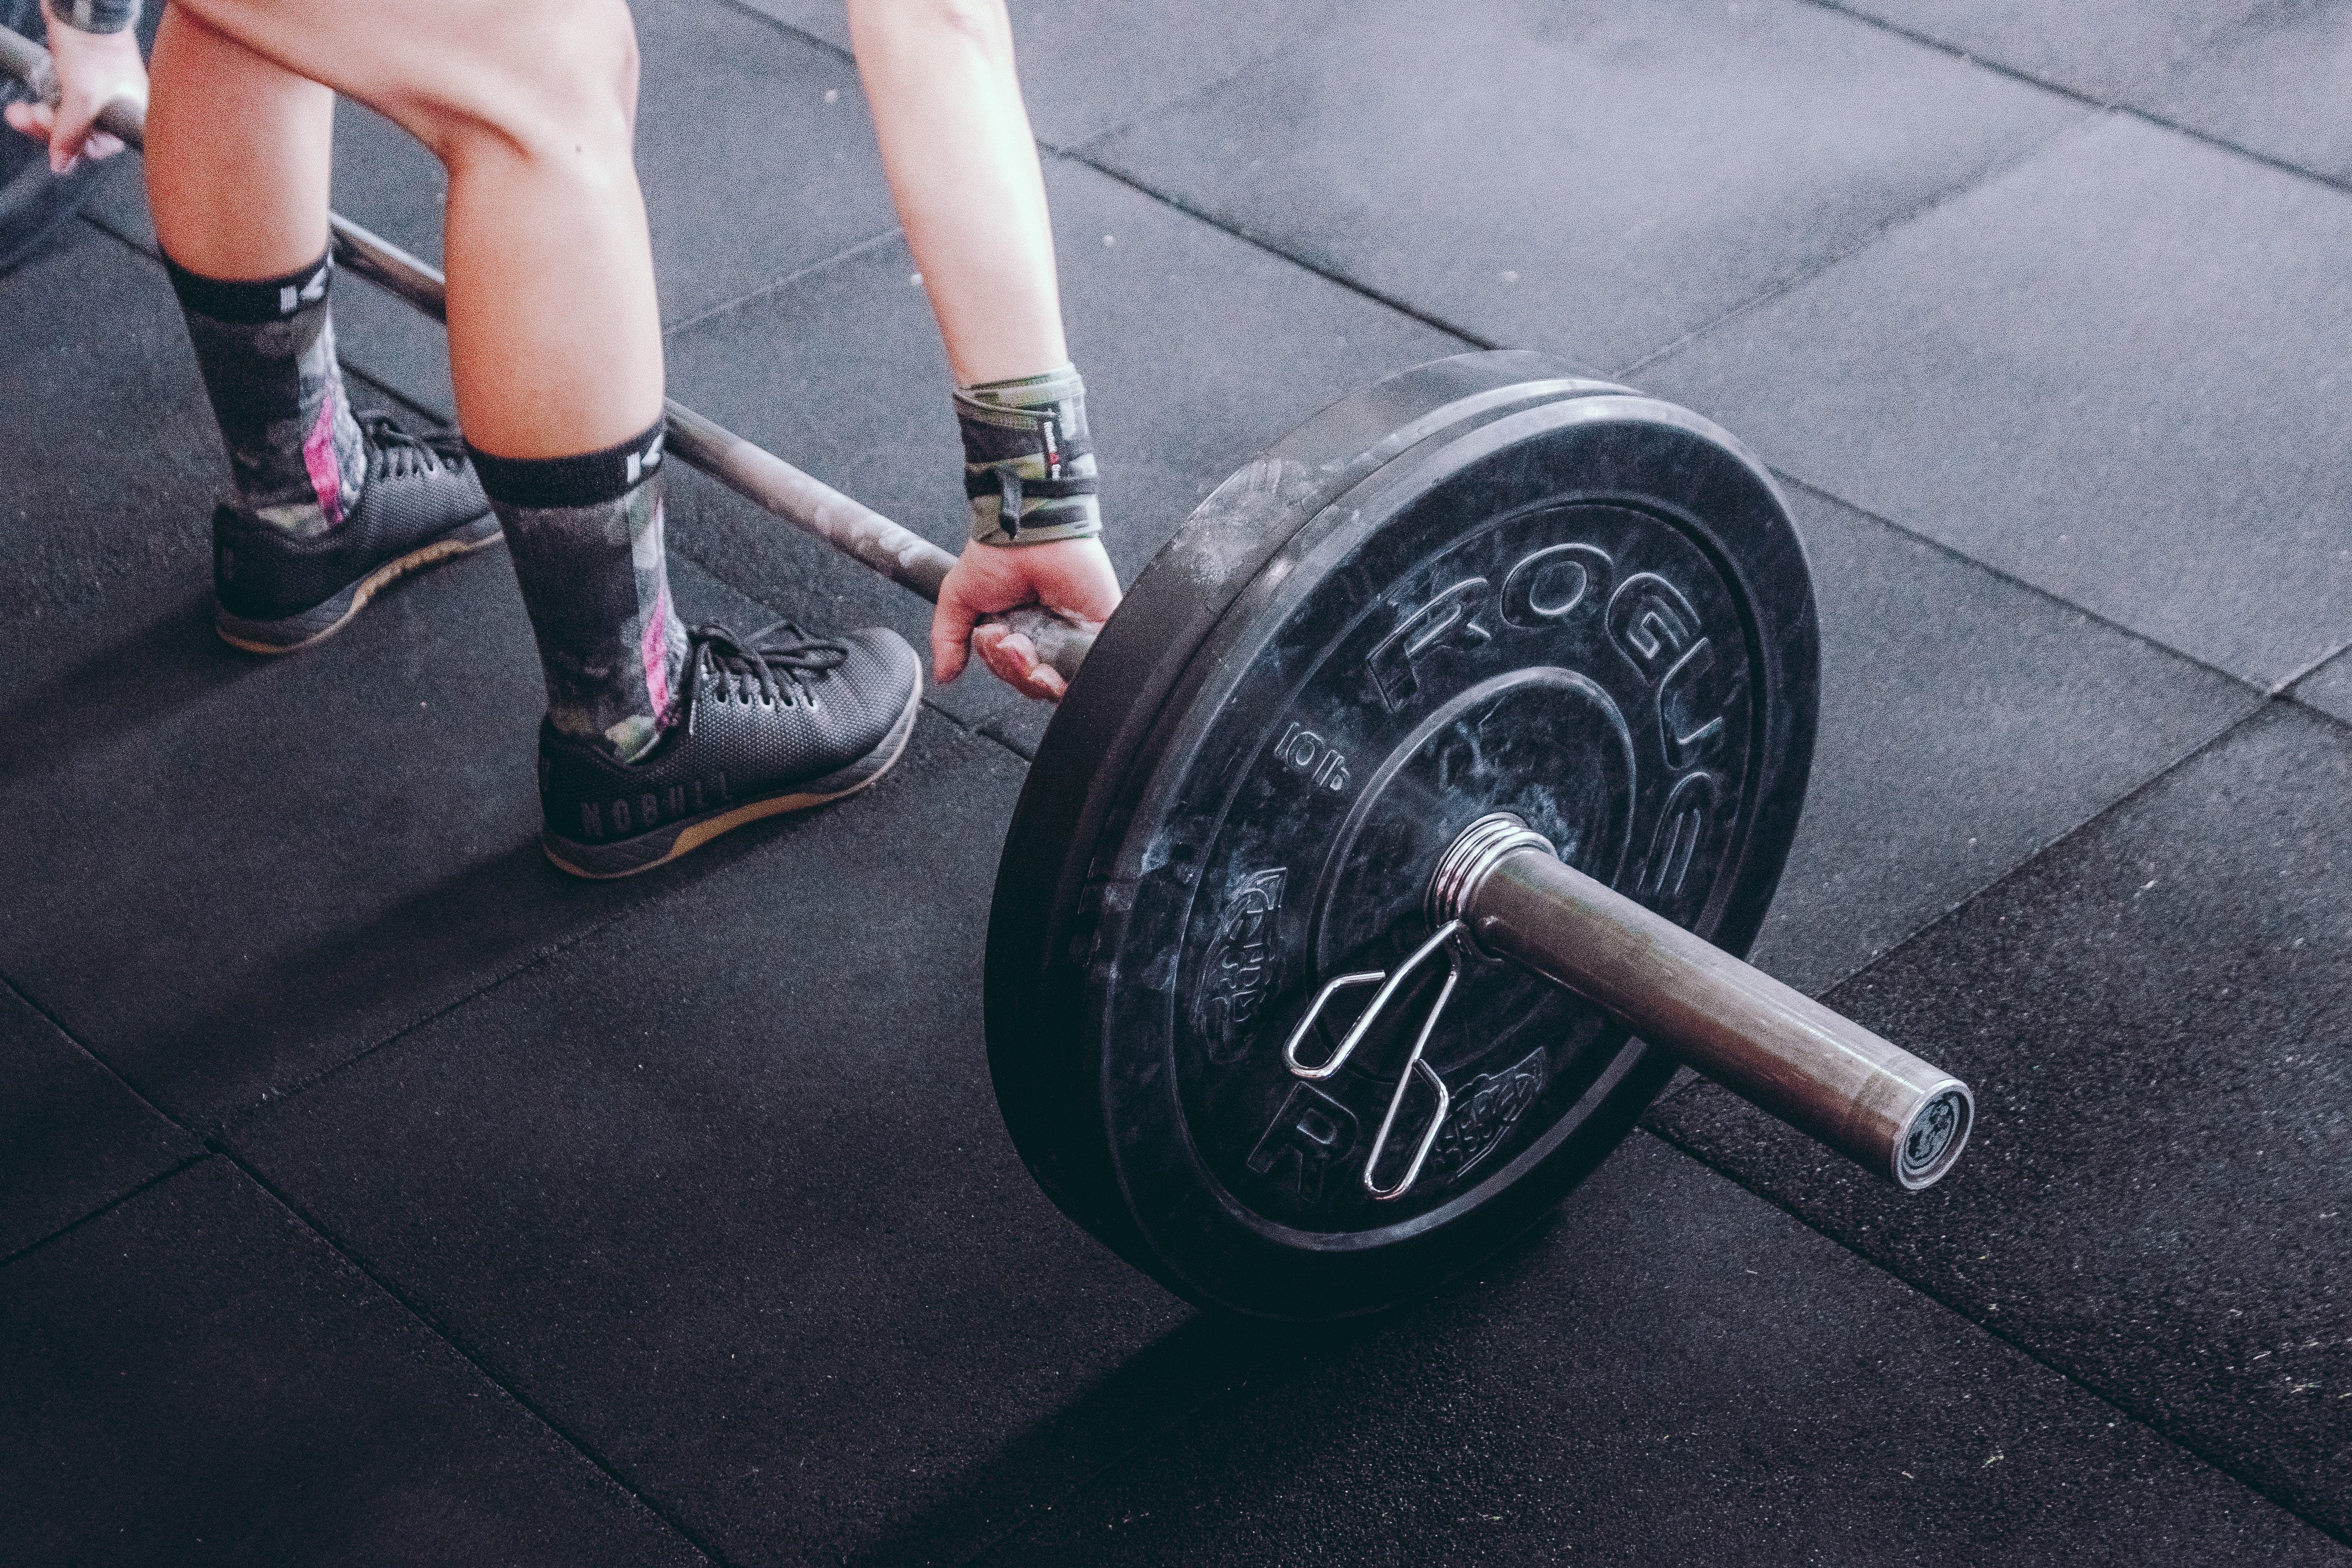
(1930, 1143)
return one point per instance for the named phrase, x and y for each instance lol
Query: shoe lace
(395, 452)
(771, 659)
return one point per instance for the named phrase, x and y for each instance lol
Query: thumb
(951, 634)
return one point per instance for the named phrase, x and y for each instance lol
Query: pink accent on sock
(654, 648)
(318, 457)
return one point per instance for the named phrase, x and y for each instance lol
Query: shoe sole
(314, 626)
(603, 862)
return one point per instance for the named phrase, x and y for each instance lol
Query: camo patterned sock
(266, 351)
(585, 535)
(1028, 461)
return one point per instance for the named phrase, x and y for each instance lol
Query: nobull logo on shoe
(624, 815)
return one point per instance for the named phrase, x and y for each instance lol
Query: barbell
(1401, 833)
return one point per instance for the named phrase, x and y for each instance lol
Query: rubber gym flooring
(371, 1193)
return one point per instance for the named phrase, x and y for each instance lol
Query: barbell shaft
(1823, 1074)
(756, 474)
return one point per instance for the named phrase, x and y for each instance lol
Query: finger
(950, 636)
(1008, 655)
(102, 144)
(32, 118)
(1012, 657)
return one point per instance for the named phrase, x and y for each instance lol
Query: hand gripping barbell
(1451, 744)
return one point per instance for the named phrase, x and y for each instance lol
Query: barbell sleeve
(1774, 1047)
(751, 471)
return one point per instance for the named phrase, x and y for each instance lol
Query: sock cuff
(591, 479)
(263, 299)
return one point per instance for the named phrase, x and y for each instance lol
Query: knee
(559, 82)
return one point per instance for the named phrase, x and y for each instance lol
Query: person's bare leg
(238, 150)
(964, 170)
(555, 333)
(238, 155)
(555, 327)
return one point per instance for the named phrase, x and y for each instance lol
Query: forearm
(964, 170)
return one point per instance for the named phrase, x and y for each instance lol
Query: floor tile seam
(2146, 116)
(2051, 597)
(107, 1067)
(1933, 204)
(2024, 864)
(2307, 671)
(2172, 1433)
(1074, 150)
(1136, 184)
(1078, 147)
(987, 731)
(1141, 188)
(2321, 714)
(777, 285)
(979, 732)
(473, 1355)
(2059, 841)
(849, 57)
(1675, 1090)
(108, 1207)
(228, 1121)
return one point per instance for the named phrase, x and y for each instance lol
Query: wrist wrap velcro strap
(1028, 462)
(93, 15)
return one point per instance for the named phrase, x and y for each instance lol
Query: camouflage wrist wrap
(92, 16)
(1028, 464)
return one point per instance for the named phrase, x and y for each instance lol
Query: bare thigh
(523, 71)
(554, 328)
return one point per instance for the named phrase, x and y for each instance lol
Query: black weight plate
(1481, 585)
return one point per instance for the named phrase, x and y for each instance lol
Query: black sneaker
(776, 721)
(419, 506)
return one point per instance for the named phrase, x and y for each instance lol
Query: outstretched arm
(964, 170)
